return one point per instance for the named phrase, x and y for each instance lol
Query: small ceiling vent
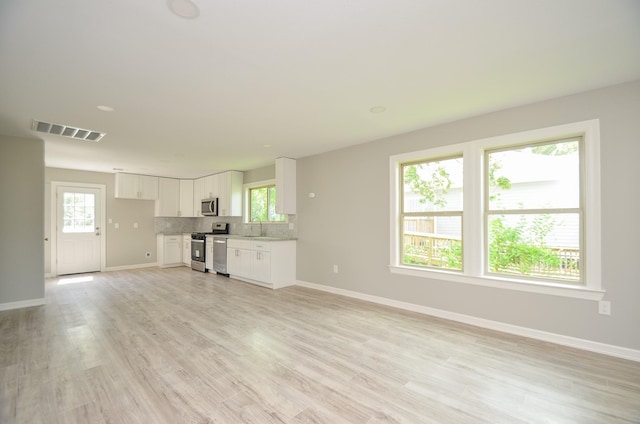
(67, 131)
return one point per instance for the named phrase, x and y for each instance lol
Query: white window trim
(245, 201)
(472, 214)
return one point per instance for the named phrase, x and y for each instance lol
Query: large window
(528, 215)
(262, 204)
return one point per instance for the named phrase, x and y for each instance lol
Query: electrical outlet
(148, 254)
(335, 269)
(135, 225)
(116, 225)
(604, 307)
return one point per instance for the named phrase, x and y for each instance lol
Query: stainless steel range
(198, 247)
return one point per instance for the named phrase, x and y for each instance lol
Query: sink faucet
(256, 219)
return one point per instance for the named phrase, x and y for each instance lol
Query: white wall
(347, 222)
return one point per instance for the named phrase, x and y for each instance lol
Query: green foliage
(434, 255)
(453, 255)
(262, 205)
(258, 204)
(521, 247)
(502, 182)
(556, 149)
(431, 190)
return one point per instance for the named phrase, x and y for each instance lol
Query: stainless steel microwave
(209, 207)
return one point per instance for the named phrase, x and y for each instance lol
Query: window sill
(563, 290)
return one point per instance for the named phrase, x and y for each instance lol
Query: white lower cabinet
(186, 249)
(266, 263)
(169, 250)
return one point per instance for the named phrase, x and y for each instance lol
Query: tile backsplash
(236, 226)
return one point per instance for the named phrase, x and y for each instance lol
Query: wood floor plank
(177, 346)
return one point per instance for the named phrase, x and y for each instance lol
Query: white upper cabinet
(168, 203)
(198, 195)
(286, 186)
(182, 198)
(226, 187)
(230, 193)
(186, 199)
(210, 187)
(133, 186)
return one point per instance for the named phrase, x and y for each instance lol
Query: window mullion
(472, 216)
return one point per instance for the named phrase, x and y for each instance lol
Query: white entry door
(78, 230)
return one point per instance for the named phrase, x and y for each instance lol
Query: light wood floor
(178, 346)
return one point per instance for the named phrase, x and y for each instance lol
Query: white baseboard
(21, 304)
(115, 268)
(605, 349)
(126, 267)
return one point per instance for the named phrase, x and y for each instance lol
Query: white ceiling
(196, 96)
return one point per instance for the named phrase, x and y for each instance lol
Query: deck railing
(428, 249)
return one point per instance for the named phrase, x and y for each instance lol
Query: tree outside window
(262, 205)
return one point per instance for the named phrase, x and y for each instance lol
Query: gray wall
(21, 226)
(347, 223)
(126, 246)
(260, 174)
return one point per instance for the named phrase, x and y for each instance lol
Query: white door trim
(54, 221)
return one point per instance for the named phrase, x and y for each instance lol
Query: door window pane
(78, 213)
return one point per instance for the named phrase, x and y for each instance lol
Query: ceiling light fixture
(184, 8)
(105, 108)
(377, 109)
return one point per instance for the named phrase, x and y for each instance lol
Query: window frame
(473, 227)
(247, 200)
(488, 212)
(432, 214)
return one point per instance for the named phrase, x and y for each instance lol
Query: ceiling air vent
(67, 131)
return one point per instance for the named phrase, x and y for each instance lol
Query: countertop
(235, 236)
(261, 238)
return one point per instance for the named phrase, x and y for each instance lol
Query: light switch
(135, 225)
(116, 225)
